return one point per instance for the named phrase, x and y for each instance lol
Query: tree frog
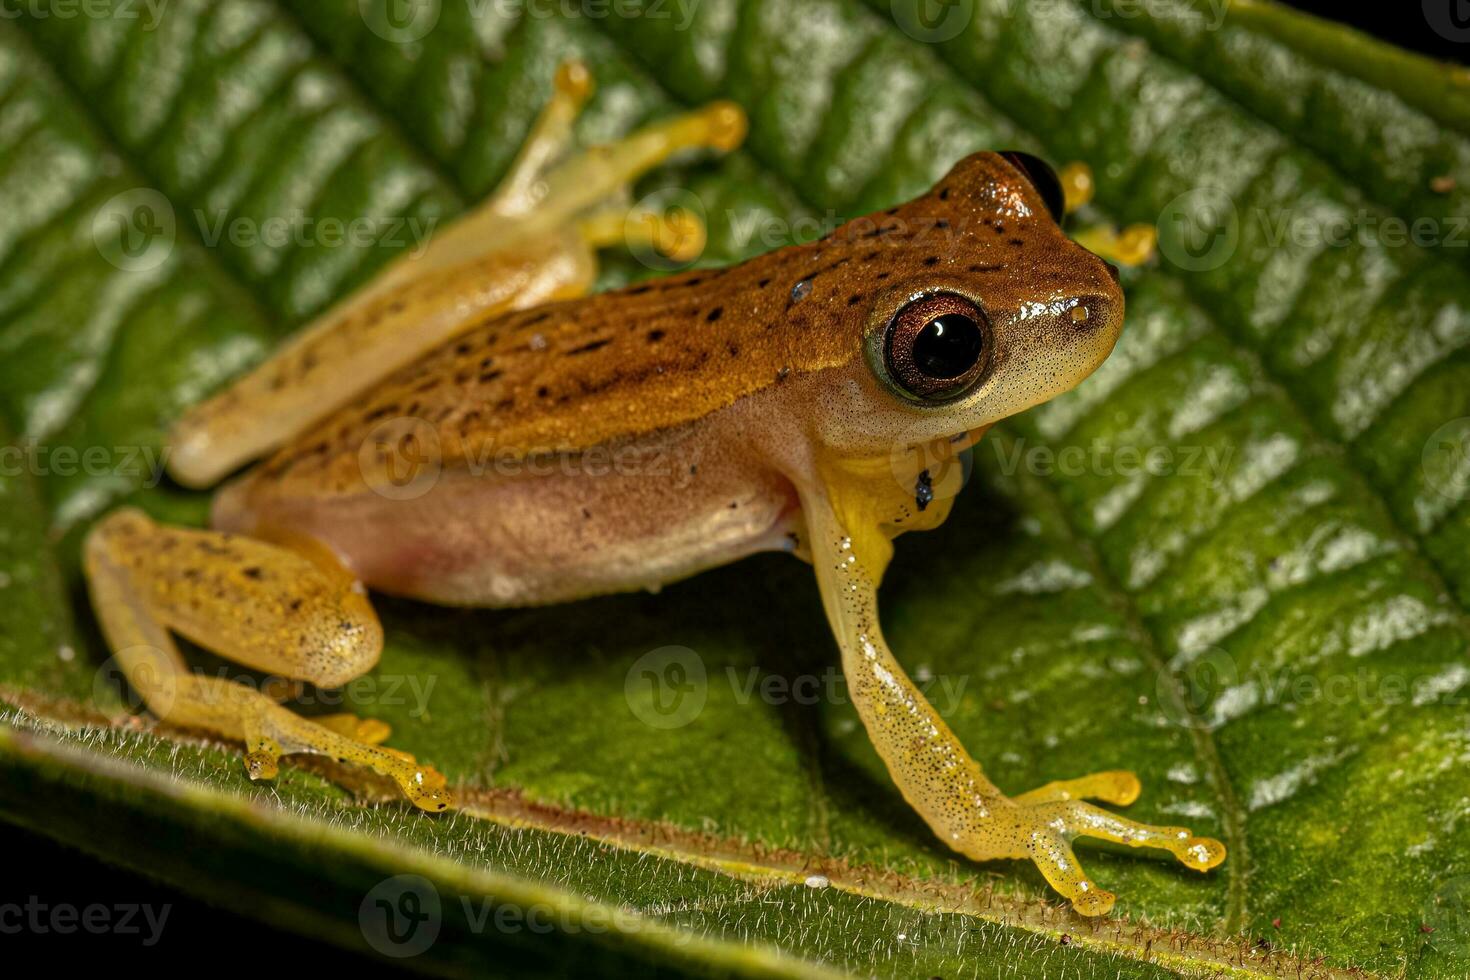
(434, 436)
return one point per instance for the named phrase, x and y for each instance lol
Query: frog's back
(649, 357)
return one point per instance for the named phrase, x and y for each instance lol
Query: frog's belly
(530, 538)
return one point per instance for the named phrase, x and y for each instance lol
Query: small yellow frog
(433, 436)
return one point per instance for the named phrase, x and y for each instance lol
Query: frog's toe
(1052, 853)
(1078, 819)
(1048, 819)
(426, 787)
(1117, 786)
(262, 758)
(275, 731)
(369, 730)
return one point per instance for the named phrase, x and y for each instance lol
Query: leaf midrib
(738, 858)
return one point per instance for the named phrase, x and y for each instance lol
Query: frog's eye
(1043, 178)
(937, 346)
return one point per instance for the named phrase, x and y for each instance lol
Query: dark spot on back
(589, 347)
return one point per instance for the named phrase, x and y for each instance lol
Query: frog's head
(983, 307)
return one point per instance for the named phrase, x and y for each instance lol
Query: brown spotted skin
(723, 387)
(655, 355)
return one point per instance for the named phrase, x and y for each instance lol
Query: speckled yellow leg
(257, 603)
(530, 242)
(850, 548)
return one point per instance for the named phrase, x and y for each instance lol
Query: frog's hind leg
(602, 176)
(260, 604)
(533, 241)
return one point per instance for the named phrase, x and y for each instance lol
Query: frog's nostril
(1112, 271)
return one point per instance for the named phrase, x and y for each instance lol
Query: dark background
(198, 935)
(1402, 23)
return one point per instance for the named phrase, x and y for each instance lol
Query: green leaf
(1235, 560)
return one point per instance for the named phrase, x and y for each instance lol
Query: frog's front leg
(849, 551)
(291, 612)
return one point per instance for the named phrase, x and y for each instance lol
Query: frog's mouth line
(961, 441)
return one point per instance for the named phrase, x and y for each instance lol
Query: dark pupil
(948, 346)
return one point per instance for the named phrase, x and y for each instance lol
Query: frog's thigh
(263, 605)
(485, 263)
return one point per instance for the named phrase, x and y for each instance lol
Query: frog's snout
(1113, 271)
(1100, 312)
